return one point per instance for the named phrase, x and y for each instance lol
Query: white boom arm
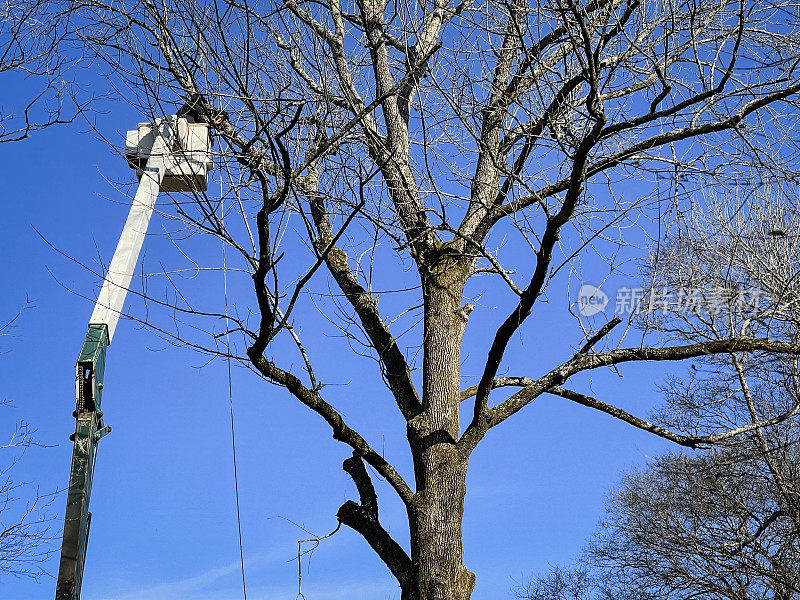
(109, 304)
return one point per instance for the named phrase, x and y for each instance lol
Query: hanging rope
(230, 392)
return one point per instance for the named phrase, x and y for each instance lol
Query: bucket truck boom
(172, 154)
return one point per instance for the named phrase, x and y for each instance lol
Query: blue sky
(163, 507)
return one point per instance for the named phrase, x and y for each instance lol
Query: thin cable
(230, 392)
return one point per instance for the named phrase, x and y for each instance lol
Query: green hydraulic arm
(171, 154)
(89, 428)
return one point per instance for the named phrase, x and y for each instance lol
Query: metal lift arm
(172, 154)
(89, 427)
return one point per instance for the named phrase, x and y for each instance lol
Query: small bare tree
(579, 583)
(26, 540)
(418, 148)
(721, 526)
(717, 527)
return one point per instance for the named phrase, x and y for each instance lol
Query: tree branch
(690, 441)
(586, 362)
(398, 375)
(363, 518)
(341, 431)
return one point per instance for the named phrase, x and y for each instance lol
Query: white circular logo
(591, 300)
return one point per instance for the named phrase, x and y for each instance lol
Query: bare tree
(579, 583)
(722, 524)
(559, 584)
(716, 527)
(33, 65)
(26, 540)
(421, 148)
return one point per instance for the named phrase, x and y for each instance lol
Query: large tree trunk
(440, 470)
(436, 539)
